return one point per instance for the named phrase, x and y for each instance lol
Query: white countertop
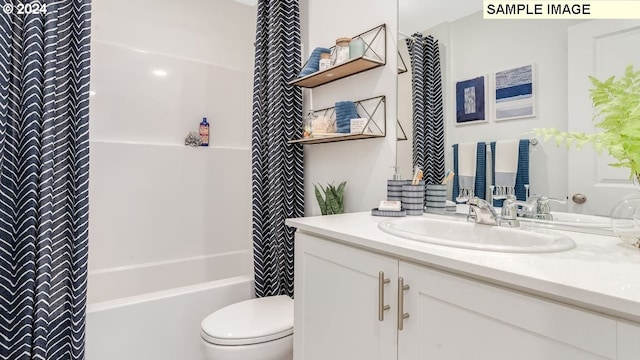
(601, 273)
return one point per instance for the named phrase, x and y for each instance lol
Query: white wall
(476, 47)
(364, 164)
(153, 199)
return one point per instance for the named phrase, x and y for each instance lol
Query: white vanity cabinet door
(628, 337)
(453, 317)
(336, 302)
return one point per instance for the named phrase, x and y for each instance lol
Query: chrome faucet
(536, 206)
(482, 212)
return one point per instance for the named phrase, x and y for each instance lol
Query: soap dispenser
(394, 186)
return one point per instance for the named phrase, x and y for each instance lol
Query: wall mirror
(562, 54)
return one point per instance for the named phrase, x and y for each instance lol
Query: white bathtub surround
(152, 202)
(169, 223)
(161, 326)
(166, 97)
(127, 281)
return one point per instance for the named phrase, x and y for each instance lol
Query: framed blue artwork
(470, 105)
(515, 93)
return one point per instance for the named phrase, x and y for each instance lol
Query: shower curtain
(428, 118)
(277, 180)
(44, 163)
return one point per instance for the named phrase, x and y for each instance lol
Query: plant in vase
(617, 109)
(331, 198)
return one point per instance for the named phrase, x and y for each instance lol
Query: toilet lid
(250, 322)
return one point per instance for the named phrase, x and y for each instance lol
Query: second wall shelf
(373, 109)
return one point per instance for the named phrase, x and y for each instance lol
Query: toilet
(256, 329)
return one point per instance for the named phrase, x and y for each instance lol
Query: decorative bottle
(204, 132)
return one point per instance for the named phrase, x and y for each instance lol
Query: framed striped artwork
(515, 93)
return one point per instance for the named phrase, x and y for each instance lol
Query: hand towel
(467, 156)
(505, 167)
(313, 64)
(345, 111)
(522, 178)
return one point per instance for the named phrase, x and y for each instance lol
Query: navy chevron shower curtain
(277, 173)
(428, 118)
(44, 163)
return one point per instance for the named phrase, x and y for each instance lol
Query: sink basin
(477, 237)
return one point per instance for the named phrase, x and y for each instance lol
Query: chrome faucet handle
(509, 208)
(542, 206)
(559, 201)
(482, 212)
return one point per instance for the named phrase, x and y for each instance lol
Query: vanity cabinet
(450, 317)
(628, 336)
(337, 302)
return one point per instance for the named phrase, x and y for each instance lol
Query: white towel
(506, 155)
(467, 154)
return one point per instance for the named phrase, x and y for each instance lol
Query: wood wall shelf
(351, 67)
(375, 55)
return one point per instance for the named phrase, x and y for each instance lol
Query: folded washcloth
(313, 64)
(345, 111)
(506, 167)
(467, 156)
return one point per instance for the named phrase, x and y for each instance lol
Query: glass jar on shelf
(307, 124)
(342, 50)
(325, 61)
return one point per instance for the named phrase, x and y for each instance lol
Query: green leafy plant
(331, 198)
(617, 105)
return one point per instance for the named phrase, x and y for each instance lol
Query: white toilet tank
(256, 329)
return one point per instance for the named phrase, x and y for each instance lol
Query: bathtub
(153, 311)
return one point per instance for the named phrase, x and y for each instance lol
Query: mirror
(471, 47)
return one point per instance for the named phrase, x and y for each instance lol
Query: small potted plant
(331, 198)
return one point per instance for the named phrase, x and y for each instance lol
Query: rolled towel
(345, 111)
(313, 64)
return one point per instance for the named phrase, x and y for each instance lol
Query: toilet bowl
(256, 329)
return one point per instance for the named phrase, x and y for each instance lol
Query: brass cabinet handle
(401, 314)
(381, 306)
